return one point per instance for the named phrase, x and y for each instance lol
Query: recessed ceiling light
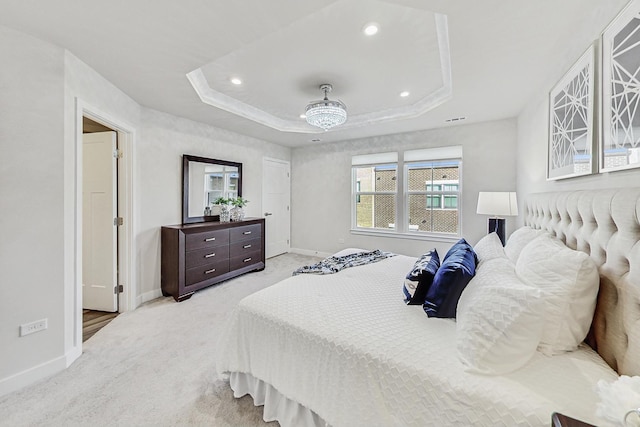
(404, 94)
(236, 81)
(370, 29)
(303, 116)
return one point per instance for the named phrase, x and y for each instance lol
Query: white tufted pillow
(499, 320)
(569, 282)
(518, 240)
(489, 247)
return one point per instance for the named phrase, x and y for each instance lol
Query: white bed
(345, 350)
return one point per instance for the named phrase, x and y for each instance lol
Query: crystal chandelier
(324, 113)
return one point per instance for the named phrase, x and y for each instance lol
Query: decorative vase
(237, 214)
(225, 214)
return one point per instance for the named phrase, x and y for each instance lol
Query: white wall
(321, 184)
(164, 139)
(40, 85)
(533, 122)
(31, 189)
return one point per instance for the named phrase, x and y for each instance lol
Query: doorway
(126, 272)
(276, 199)
(99, 217)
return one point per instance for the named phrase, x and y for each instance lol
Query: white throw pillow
(569, 282)
(499, 320)
(489, 247)
(518, 240)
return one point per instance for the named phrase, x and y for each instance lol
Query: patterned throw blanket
(333, 264)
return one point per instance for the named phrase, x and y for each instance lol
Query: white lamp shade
(497, 203)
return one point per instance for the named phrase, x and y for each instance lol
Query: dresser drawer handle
(209, 255)
(210, 271)
(210, 239)
(246, 246)
(246, 232)
(246, 260)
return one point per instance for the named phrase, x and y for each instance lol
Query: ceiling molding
(439, 96)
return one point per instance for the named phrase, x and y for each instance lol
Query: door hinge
(287, 241)
(118, 221)
(288, 175)
(287, 207)
(117, 154)
(118, 289)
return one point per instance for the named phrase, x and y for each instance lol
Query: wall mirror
(203, 181)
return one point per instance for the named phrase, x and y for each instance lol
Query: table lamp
(497, 204)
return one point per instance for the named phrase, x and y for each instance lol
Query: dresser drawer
(206, 239)
(206, 256)
(246, 232)
(207, 271)
(246, 259)
(241, 248)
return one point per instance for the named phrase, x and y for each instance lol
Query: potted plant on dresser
(223, 208)
(237, 212)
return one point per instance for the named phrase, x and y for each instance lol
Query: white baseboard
(148, 296)
(309, 252)
(29, 376)
(72, 355)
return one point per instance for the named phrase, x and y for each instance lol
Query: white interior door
(99, 234)
(276, 196)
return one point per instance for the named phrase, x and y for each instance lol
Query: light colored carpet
(151, 367)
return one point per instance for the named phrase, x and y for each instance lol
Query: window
(432, 202)
(442, 201)
(416, 194)
(220, 181)
(450, 202)
(376, 196)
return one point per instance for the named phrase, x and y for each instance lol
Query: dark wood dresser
(195, 256)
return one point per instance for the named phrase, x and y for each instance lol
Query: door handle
(268, 214)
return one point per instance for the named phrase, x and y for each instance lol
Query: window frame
(356, 193)
(401, 226)
(438, 190)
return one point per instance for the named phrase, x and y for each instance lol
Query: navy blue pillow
(457, 269)
(419, 279)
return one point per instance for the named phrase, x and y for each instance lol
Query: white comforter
(348, 348)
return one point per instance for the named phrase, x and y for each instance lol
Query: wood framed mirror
(205, 180)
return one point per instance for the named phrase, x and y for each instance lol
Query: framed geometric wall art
(620, 143)
(571, 121)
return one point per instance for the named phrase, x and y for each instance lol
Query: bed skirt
(276, 406)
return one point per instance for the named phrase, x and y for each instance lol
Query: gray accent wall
(164, 139)
(321, 185)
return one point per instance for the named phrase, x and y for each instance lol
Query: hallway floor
(93, 321)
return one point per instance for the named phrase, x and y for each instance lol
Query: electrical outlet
(29, 328)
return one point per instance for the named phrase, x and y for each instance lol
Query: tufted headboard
(606, 225)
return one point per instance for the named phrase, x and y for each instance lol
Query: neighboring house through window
(421, 187)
